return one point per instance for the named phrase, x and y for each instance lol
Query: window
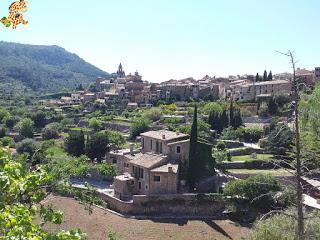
(156, 178)
(151, 144)
(146, 187)
(132, 182)
(178, 149)
(161, 147)
(142, 143)
(114, 161)
(139, 185)
(140, 172)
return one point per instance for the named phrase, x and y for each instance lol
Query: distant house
(153, 170)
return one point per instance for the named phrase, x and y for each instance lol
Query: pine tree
(270, 77)
(265, 76)
(191, 178)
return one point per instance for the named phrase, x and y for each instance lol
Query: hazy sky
(166, 39)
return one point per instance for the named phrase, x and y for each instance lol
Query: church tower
(120, 72)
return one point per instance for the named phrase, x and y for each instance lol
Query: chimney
(163, 136)
(170, 168)
(131, 148)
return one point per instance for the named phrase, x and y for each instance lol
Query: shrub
(284, 227)
(154, 114)
(28, 146)
(25, 128)
(252, 134)
(258, 189)
(7, 142)
(221, 146)
(139, 126)
(106, 170)
(51, 131)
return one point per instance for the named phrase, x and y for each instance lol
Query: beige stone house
(154, 169)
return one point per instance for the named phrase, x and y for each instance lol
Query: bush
(106, 170)
(28, 146)
(74, 143)
(221, 156)
(139, 126)
(263, 110)
(25, 128)
(253, 134)
(221, 146)
(258, 189)
(240, 151)
(280, 140)
(284, 227)
(7, 142)
(51, 131)
(3, 132)
(154, 114)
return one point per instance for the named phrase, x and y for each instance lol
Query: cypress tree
(231, 114)
(224, 119)
(237, 119)
(270, 77)
(191, 178)
(265, 76)
(257, 77)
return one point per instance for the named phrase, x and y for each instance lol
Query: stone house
(154, 169)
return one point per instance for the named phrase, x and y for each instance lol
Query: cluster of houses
(131, 91)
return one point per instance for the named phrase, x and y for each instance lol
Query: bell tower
(120, 72)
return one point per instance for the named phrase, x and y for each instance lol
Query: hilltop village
(184, 148)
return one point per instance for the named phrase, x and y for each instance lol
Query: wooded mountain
(43, 68)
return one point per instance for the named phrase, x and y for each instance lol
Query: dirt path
(98, 224)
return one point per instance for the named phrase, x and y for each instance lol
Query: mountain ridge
(44, 68)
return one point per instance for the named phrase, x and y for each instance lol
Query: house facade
(152, 170)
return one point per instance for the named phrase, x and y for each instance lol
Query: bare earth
(98, 224)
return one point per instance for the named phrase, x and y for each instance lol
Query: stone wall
(165, 205)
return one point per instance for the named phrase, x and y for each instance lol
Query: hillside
(42, 68)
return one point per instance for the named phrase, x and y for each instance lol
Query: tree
(22, 191)
(3, 114)
(26, 128)
(280, 140)
(224, 119)
(257, 77)
(235, 119)
(7, 142)
(116, 138)
(75, 144)
(154, 114)
(258, 189)
(139, 126)
(272, 106)
(97, 146)
(191, 178)
(3, 132)
(270, 77)
(28, 146)
(265, 76)
(95, 124)
(39, 119)
(51, 131)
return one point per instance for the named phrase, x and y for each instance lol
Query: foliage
(258, 189)
(26, 128)
(221, 146)
(252, 134)
(106, 170)
(3, 114)
(153, 114)
(168, 109)
(139, 126)
(3, 132)
(272, 106)
(28, 146)
(51, 131)
(235, 116)
(74, 143)
(95, 124)
(56, 68)
(116, 138)
(254, 188)
(283, 226)
(280, 140)
(263, 110)
(221, 156)
(97, 146)
(192, 166)
(7, 142)
(22, 191)
(39, 119)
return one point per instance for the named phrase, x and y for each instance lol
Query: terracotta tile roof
(164, 135)
(146, 160)
(165, 168)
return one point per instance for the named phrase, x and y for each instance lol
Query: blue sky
(166, 39)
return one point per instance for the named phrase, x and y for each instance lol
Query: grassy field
(249, 158)
(273, 172)
(100, 222)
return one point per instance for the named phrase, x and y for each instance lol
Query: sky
(174, 39)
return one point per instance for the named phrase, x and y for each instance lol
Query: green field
(249, 158)
(273, 172)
